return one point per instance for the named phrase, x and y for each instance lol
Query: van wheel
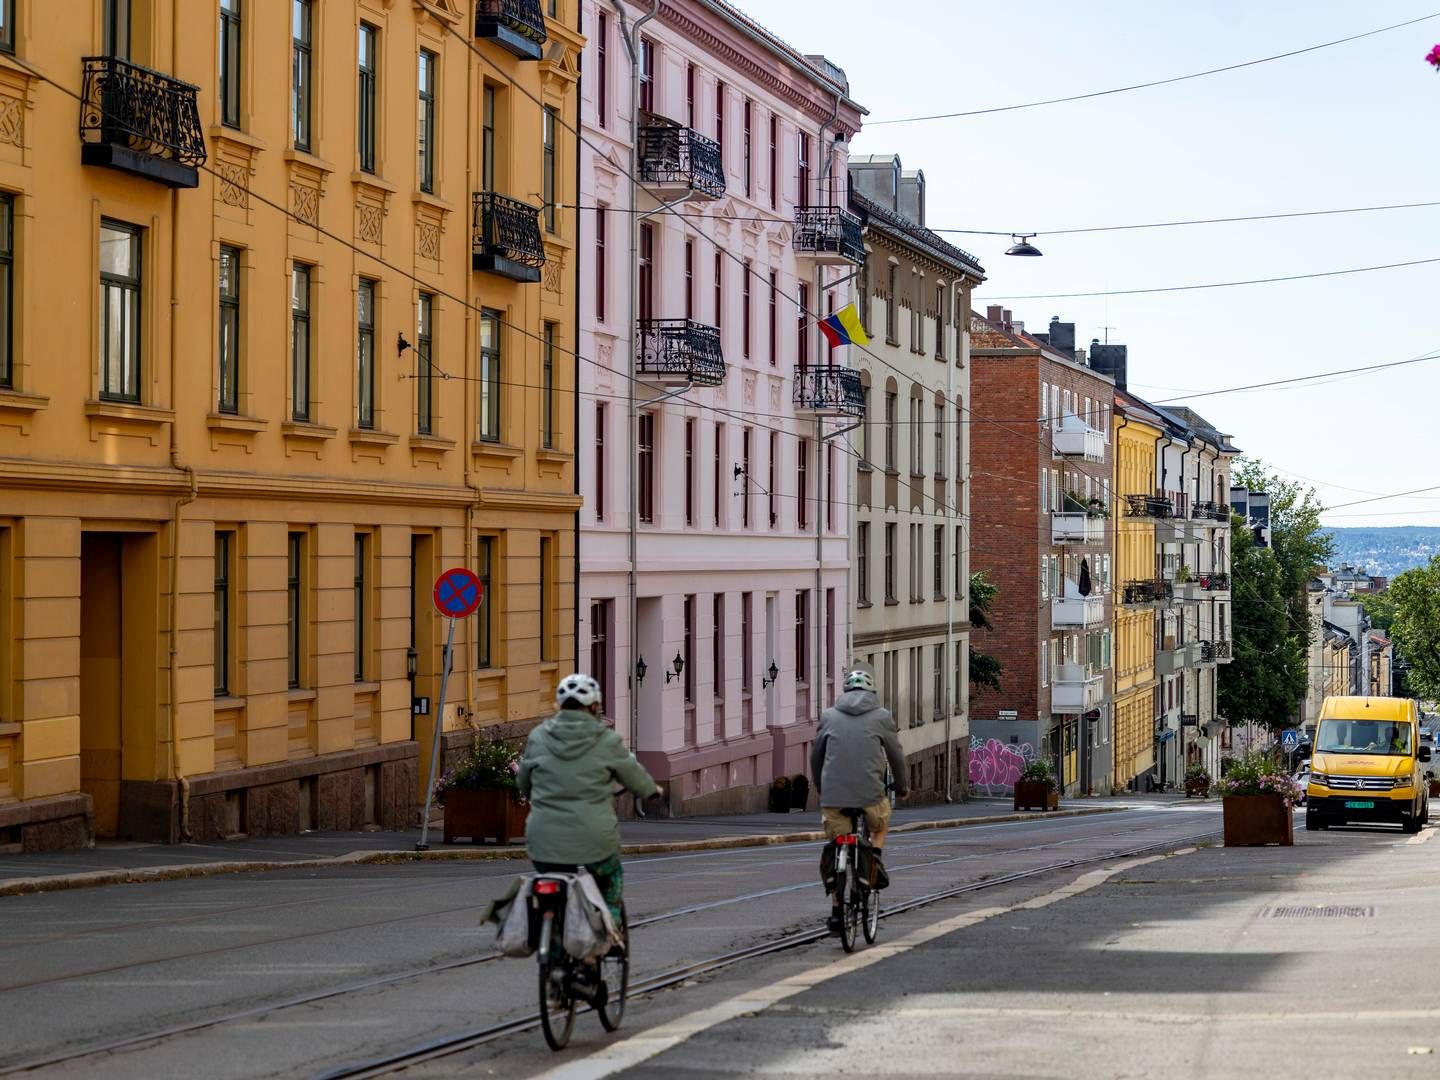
(1411, 824)
(1315, 821)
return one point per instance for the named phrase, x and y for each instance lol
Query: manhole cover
(1319, 911)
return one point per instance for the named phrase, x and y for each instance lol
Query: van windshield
(1363, 737)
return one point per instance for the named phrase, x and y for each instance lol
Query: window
(802, 636)
(746, 146)
(600, 262)
(119, 312)
(940, 322)
(745, 439)
(745, 272)
(939, 562)
(774, 318)
(802, 320)
(862, 563)
(647, 75)
(959, 454)
(719, 478)
(229, 319)
(547, 599)
(720, 92)
(690, 96)
(747, 645)
(295, 611)
(484, 614)
(645, 460)
(687, 651)
(600, 645)
(862, 434)
(717, 643)
(773, 487)
(960, 578)
(365, 355)
(917, 563)
(7, 284)
(827, 628)
(917, 438)
(774, 160)
(300, 342)
(689, 278)
(940, 441)
(425, 121)
(892, 405)
(7, 26)
(487, 138)
(302, 45)
(802, 180)
(864, 295)
(230, 62)
(646, 282)
(602, 63)
(891, 329)
(802, 485)
(547, 387)
(362, 550)
(551, 123)
(890, 564)
(490, 376)
(117, 29)
(830, 487)
(938, 701)
(689, 471)
(424, 367)
(365, 97)
(719, 288)
(601, 419)
(224, 546)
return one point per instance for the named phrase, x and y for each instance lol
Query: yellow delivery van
(1365, 764)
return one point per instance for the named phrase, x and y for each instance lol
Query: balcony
(828, 235)
(1076, 439)
(1146, 593)
(1212, 652)
(829, 390)
(1215, 583)
(1076, 689)
(678, 352)
(1210, 514)
(1153, 507)
(1171, 659)
(677, 161)
(1224, 652)
(517, 26)
(505, 238)
(1076, 612)
(140, 122)
(1076, 528)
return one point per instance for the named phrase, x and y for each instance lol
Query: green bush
(1039, 772)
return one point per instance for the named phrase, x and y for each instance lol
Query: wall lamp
(640, 668)
(678, 664)
(774, 674)
(411, 656)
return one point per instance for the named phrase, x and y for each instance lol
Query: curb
(96, 878)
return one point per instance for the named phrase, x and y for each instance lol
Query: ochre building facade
(284, 336)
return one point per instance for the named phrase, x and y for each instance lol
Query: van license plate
(1359, 804)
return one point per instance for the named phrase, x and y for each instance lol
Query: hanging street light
(1022, 245)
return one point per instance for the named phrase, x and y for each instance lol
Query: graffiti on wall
(995, 766)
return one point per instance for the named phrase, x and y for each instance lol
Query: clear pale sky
(1352, 125)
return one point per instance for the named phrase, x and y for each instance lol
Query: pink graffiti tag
(994, 764)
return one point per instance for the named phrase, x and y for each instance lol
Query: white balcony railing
(1076, 612)
(1074, 528)
(1076, 689)
(1074, 438)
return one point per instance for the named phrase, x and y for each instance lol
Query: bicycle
(859, 904)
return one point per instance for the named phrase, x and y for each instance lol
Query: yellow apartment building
(1137, 506)
(287, 312)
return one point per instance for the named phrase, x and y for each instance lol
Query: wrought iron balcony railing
(829, 234)
(505, 237)
(673, 157)
(1224, 650)
(1207, 652)
(518, 26)
(1149, 506)
(829, 390)
(679, 351)
(1137, 593)
(1210, 511)
(1216, 582)
(140, 121)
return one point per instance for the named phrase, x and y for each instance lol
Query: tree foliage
(1380, 607)
(985, 669)
(1415, 595)
(1265, 680)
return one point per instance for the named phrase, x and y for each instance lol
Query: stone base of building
(927, 770)
(61, 823)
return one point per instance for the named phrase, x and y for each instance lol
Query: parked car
(1302, 777)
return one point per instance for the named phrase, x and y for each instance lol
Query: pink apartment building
(714, 558)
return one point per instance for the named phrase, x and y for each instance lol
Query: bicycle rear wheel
(871, 921)
(557, 1003)
(849, 910)
(615, 975)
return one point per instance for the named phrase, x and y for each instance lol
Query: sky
(1351, 125)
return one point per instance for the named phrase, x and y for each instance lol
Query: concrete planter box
(1255, 820)
(1034, 795)
(478, 816)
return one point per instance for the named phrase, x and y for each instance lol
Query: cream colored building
(282, 341)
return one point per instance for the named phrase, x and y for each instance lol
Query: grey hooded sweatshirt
(855, 741)
(569, 770)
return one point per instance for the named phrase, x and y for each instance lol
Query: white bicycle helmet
(579, 688)
(860, 680)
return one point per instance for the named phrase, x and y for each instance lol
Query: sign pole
(436, 749)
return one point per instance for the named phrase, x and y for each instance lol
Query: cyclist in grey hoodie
(857, 740)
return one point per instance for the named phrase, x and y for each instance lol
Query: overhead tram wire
(1154, 82)
(1432, 354)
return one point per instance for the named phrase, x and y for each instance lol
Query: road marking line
(1163, 1016)
(633, 1051)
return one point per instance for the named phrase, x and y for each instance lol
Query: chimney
(911, 201)
(1110, 360)
(993, 314)
(1062, 334)
(1005, 320)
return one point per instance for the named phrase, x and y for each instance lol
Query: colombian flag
(843, 328)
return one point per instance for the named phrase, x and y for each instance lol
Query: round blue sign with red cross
(458, 592)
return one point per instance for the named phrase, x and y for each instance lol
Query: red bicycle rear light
(547, 888)
(848, 839)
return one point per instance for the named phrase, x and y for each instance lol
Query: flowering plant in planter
(1433, 58)
(1197, 772)
(487, 765)
(1258, 774)
(1039, 772)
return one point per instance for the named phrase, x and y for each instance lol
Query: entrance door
(101, 678)
(422, 640)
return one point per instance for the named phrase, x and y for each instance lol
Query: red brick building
(1040, 506)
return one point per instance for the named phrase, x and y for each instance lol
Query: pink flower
(1433, 57)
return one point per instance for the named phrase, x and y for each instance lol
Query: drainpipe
(955, 287)
(470, 417)
(631, 37)
(575, 381)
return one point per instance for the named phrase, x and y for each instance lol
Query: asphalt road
(80, 970)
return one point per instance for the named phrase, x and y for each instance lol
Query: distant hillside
(1386, 551)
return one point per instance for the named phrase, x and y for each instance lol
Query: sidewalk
(116, 862)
